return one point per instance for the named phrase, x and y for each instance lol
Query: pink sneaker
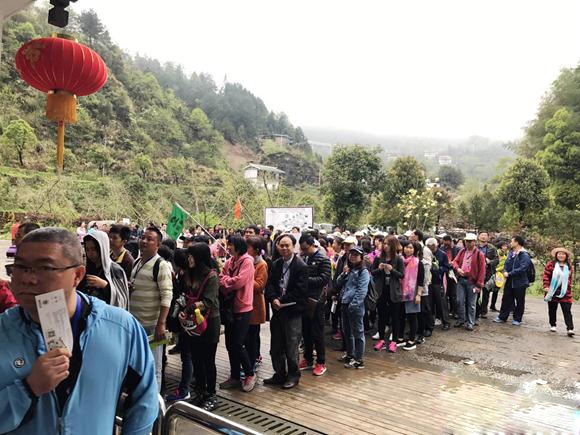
(304, 365)
(392, 347)
(319, 369)
(379, 345)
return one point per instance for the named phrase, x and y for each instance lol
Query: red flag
(238, 210)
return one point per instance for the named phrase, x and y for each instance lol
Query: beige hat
(561, 249)
(408, 233)
(359, 234)
(350, 239)
(470, 237)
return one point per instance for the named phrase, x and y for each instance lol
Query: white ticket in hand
(54, 320)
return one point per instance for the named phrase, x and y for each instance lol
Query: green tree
(144, 165)
(525, 186)
(20, 137)
(350, 175)
(405, 174)
(450, 176)
(91, 26)
(561, 157)
(101, 157)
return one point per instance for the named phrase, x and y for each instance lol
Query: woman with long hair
(201, 294)
(558, 288)
(412, 288)
(256, 247)
(387, 270)
(237, 288)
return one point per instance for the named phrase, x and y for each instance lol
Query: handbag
(499, 280)
(193, 322)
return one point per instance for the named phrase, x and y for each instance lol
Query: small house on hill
(256, 174)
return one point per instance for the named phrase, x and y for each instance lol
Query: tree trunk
(20, 158)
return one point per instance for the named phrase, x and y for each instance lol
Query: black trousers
(285, 335)
(424, 318)
(313, 334)
(452, 296)
(514, 299)
(412, 318)
(236, 333)
(383, 312)
(494, 298)
(252, 343)
(397, 315)
(566, 311)
(439, 303)
(204, 369)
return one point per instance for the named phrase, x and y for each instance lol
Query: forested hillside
(151, 135)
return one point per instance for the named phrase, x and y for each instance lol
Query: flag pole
(199, 223)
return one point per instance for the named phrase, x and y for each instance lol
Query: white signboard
(284, 218)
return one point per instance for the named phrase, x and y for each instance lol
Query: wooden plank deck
(429, 391)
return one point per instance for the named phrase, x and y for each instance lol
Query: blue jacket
(114, 348)
(517, 267)
(356, 287)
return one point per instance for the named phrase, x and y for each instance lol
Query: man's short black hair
(123, 231)
(255, 228)
(296, 228)
(521, 241)
(170, 243)
(290, 236)
(419, 234)
(239, 243)
(165, 252)
(306, 238)
(447, 238)
(27, 227)
(156, 231)
(202, 238)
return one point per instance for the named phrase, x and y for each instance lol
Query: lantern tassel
(60, 147)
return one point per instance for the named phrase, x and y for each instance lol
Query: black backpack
(531, 272)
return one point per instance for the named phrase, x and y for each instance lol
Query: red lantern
(64, 69)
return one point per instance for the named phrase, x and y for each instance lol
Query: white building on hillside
(445, 160)
(262, 174)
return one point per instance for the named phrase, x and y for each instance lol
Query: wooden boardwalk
(431, 390)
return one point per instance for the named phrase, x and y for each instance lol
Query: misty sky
(419, 68)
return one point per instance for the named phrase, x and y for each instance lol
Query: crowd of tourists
(307, 284)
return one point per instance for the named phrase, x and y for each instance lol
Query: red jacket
(476, 275)
(548, 271)
(238, 276)
(6, 298)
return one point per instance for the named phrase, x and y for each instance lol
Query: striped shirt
(149, 296)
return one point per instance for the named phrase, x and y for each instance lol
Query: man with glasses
(70, 390)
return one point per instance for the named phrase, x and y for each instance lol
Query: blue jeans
(353, 330)
(465, 292)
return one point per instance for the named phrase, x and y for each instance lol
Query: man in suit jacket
(287, 291)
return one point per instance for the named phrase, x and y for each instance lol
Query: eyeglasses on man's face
(23, 269)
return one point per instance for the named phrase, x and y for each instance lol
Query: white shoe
(376, 336)
(570, 333)
(552, 328)
(438, 322)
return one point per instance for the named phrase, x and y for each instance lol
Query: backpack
(156, 269)
(372, 297)
(531, 272)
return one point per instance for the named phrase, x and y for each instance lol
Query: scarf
(409, 281)
(559, 280)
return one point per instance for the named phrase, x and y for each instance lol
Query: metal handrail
(158, 424)
(203, 418)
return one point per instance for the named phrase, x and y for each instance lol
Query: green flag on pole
(176, 221)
